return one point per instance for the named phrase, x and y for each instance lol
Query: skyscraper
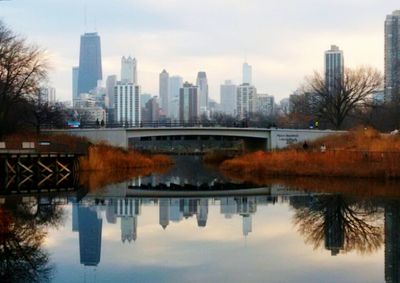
(188, 103)
(203, 91)
(90, 69)
(111, 82)
(75, 76)
(164, 88)
(334, 68)
(129, 70)
(175, 84)
(392, 57)
(245, 100)
(247, 74)
(228, 97)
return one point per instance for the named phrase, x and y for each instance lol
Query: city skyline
(171, 42)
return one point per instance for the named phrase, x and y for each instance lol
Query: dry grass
(102, 157)
(359, 153)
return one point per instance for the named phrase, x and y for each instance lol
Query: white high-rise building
(164, 212)
(247, 74)
(392, 57)
(228, 93)
(129, 70)
(245, 100)
(127, 103)
(202, 83)
(334, 68)
(175, 84)
(163, 91)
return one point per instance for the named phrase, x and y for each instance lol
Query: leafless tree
(23, 68)
(334, 104)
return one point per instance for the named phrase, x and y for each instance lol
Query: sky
(283, 40)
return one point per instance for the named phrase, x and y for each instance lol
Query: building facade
(188, 103)
(90, 67)
(202, 84)
(127, 104)
(163, 91)
(245, 100)
(392, 57)
(265, 104)
(334, 69)
(228, 93)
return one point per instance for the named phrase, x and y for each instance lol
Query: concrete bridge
(262, 138)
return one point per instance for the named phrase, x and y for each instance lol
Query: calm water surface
(276, 234)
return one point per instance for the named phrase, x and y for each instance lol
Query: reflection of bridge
(254, 137)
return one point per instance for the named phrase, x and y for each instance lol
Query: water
(288, 231)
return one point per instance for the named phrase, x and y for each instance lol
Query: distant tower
(334, 68)
(75, 76)
(164, 212)
(164, 88)
(247, 74)
(245, 100)
(129, 70)
(90, 69)
(188, 103)
(111, 82)
(203, 91)
(228, 97)
(392, 57)
(175, 84)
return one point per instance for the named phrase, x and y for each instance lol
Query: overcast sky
(283, 40)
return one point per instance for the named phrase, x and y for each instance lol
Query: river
(160, 228)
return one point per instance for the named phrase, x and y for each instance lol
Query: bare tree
(334, 104)
(22, 69)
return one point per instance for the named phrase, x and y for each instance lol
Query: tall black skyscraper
(90, 70)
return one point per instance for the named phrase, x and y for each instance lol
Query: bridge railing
(158, 124)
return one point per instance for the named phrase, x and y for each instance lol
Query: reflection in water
(392, 241)
(341, 224)
(22, 233)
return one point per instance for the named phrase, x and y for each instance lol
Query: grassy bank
(359, 153)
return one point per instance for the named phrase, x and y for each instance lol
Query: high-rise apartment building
(188, 103)
(175, 84)
(334, 68)
(163, 91)
(202, 84)
(129, 70)
(245, 100)
(265, 104)
(392, 57)
(47, 95)
(90, 68)
(75, 76)
(127, 103)
(228, 93)
(247, 73)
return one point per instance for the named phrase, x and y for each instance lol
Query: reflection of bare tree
(340, 224)
(22, 232)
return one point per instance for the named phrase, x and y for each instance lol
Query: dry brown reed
(102, 157)
(359, 153)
